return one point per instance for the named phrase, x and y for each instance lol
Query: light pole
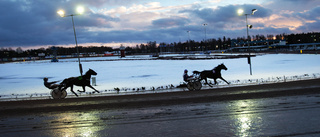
(188, 35)
(205, 35)
(188, 40)
(80, 10)
(240, 12)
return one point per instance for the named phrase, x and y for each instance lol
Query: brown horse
(78, 81)
(214, 74)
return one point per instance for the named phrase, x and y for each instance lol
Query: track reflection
(70, 124)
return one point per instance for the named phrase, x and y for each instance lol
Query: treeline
(9, 52)
(152, 46)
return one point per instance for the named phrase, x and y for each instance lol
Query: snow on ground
(132, 72)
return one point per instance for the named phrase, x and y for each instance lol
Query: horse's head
(91, 72)
(222, 66)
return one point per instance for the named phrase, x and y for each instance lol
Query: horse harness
(81, 77)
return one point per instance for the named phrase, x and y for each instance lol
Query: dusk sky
(35, 23)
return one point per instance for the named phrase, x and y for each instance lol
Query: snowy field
(26, 78)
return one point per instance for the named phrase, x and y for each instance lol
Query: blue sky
(35, 23)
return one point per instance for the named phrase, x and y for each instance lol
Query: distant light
(80, 10)
(61, 13)
(240, 11)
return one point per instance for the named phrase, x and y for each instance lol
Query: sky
(35, 23)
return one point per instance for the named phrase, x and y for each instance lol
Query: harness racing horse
(214, 74)
(78, 81)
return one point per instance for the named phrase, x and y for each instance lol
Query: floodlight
(80, 10)
(253, 11)
(61, 13)
(240, 11)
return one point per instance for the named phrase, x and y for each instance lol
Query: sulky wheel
(190, 86)
(57, 94)
(197, 85)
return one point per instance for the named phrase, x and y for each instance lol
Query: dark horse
(78, 81)
(214, 74)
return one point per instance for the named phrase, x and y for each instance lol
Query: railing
(165, 88)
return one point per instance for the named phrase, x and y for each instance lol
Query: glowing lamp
(80, 10)
(61, 13)
(240, 11)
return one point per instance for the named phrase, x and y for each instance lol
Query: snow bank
(25, 78)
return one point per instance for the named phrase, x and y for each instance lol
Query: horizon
(132, 45)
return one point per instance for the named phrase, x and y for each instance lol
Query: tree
(19, 50)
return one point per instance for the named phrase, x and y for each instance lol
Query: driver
(186, 76)
(50, 85)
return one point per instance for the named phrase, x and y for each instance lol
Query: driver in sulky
(186, 76)
(50, 85)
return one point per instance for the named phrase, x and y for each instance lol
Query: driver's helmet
(45, 79)
(185, 71)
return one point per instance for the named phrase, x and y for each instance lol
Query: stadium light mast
(240, 12)
(80, 10)
(205, 35)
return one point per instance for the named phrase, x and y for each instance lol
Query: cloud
(220, 17)
(306, 20)
(23, 23)
(36, 23)
(170, 22)
(309, 27)
(312, 14)
(100, 3)
(31, 23)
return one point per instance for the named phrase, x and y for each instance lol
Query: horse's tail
(64, 83)
(196, 72)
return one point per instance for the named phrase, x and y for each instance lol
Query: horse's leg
(207, 82)
(215, 81)
(73, 91)
(84, 89)
(63, 88)
(93, 88)
(224, 80)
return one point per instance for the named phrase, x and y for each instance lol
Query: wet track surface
(281, 109)
(277, 116)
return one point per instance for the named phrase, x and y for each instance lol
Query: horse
(214, 74)
(78, 81)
